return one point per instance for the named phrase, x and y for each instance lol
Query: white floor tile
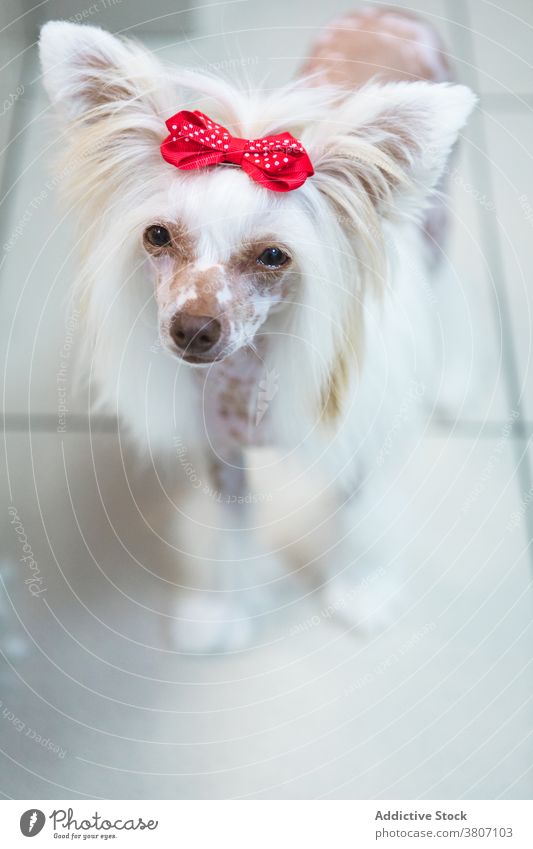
(37, 269)
(13, 92)
(431, 707)
(502, 35)
(509, 157)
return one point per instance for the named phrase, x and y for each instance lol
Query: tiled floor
(438, 705)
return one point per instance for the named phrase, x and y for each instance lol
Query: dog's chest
(234, 402)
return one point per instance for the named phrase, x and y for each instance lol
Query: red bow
(279, 163)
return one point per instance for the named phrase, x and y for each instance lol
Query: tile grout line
(46, 423)
(492, 249)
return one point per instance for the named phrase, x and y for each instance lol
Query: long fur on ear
(112, 97)
(390, 142)
(108, 96)
(88, 72)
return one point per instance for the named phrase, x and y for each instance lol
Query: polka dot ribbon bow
(279, 163)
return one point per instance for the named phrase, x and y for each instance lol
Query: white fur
(353, 229)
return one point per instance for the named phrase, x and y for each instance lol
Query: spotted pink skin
(230, 397)
(389, 43)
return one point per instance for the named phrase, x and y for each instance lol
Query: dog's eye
(157, 236)
(272, 258)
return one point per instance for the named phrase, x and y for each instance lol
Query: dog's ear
(89, 73)
(390, 140)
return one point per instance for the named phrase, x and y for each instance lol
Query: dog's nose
(195, 334)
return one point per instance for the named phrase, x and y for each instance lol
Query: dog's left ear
(390, 141)
(90, 74)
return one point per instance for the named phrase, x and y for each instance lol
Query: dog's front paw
(210, 624)
(369, 605)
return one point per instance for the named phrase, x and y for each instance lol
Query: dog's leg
(219, 574)
(362, 574)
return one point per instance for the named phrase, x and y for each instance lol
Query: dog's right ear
(89, 73)
(393, 140)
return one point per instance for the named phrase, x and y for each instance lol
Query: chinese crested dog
(254, 271)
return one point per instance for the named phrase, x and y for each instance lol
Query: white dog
(252, 274)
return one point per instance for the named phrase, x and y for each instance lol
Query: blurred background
(94, 700)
